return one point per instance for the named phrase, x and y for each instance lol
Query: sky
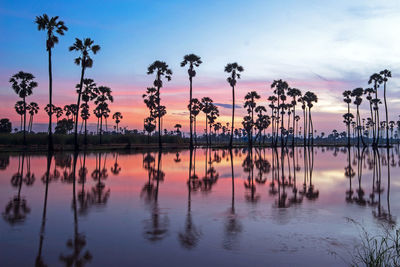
(321, 46)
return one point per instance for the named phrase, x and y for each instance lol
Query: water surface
(206, 207)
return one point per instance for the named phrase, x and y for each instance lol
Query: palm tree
(250, 104)
(33, 108)
(162, 70)
(376, 79)
(294, 93)
(347, 116)
(19, 108)
(273, 99)
(192, 60)
(178, 127)
(59, 112)
(51, 26)
(117, 116)
(206, 107)
(385, 74)
(357, 93)
(195, 110)
(234, 69)
(280, 87)
(89, 93)
(104, 95)
(23, 84)
(310, 98)
(85, 61)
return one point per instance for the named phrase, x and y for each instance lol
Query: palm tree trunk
(78, 106)
(24, 121)
(159, 114)
(294, 121)
(233, 116)
(101, 128)
(190, 113)
(50, 137)
(348, 125)
(386, 112)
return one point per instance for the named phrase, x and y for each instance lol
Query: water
(140, 208)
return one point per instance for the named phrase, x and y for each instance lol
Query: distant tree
(295, 94)
(84, 48)
(357, 93)
(206, 107)
(51, 26)
(375, 79)
(178, 127)
(249, 122)
(117, 116)
(149, 126)
(347, 116)
(89, 93)
(33, 108)
(195, 110)
(5, 126)
(193, 61)
(161, 69)
(104, 96)
(64, 126)
(234, 69)
(20, 109)
(23, 84)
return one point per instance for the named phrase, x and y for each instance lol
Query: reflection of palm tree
(99, 194)
(116, 168)
(17, 208)
(295, 199)
(232, 224)
(78, 257)
(39, 261)
(156, 228)
(359, 199)
(190, 237)
(84, 197)
(349, 173)
(248, 166)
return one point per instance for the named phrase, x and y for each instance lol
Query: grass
(382, 249)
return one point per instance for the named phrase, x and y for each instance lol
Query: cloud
(222, 105)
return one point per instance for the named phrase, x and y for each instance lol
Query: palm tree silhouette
(33, 108)
(104, 95)
(20, 109)
(294, 93)
(117, 116)
(357, 93)
(234, 69)
(161, 69)
(376, 79)
(195, 109)
(89, 93)
(84, 48)
(250, 104)
(52, 26)
(348, 116)
(193, 61)
(23, 84)
(385, 74)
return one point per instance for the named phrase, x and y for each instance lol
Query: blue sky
(329, 46)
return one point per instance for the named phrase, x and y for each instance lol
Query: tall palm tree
(250, 104)
(102, 106)
(23, 84)
(347, 117)
(52, 26)
(161, 69)
(294, 93)
(117, 116)
(234, 69)
(310, 98)
(20, 109)
(33, 108)
(193, 61)
(385, 74)
(84, 47)
(89, 93)
(376, 79)
(357, 93)
(206, 106)
(195, 110)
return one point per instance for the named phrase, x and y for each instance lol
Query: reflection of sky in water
(127, 216)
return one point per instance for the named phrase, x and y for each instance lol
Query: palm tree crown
(50, 25)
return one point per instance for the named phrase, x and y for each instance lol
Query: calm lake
(269, 208)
